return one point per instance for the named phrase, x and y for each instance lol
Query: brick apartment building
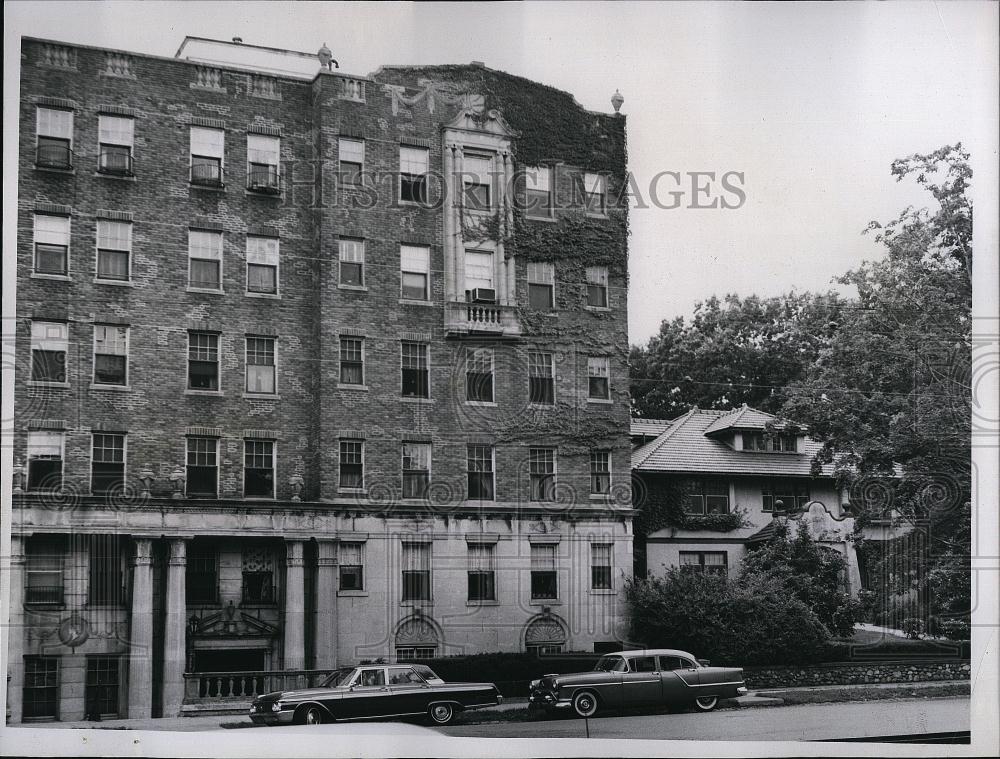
(310, 368)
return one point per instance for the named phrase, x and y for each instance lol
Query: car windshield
(610, 664)
(338, 678)
(425, 672)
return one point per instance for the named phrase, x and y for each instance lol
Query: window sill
(417, 602)
(544, 602)
(355, 288)
(207, 187)
(112, 388)
(493, 602)
(542, 406)
(352, 491)
(549, 312)
(264, 195)
(204, 291)
(597, 309)
(265, 296)
(53, 170)
(341, 386)
(411, 399)
(599, 401)
(487, 404)
(203, 88)
(114, 282)
(54, 277)
(602, 592)
(45, 605)
(600, 497)
(413, 302)
(116, 177)
(44, 383)
(207, 393)
(352, 594)
(262, 396)
(259, 499)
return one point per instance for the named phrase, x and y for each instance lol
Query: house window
(258, 469)
(43, 580)
(203, 361)
(593, 191)
(208, 148)
(107, 463)
(476, 177)
(352, 160)
(41, 688)
(106, 570)
(260, 365)
(600, 472)
(480, 471)
(352, 361)
(479, 375)
(542, 473)
(263, 154)
(708, 496)
(482, 572)
(352, 566)
(415, 268)
(45, 460)
(413, 167)
(416, 469)
(352, 262)
(101, 693)
(201, 577)
(541, 378)
(409, 653)
(51, 244)
(415, 372)
(478, 270)
(262, 265)
(205, 260)
(352, 464)
(55, 138)
(258, 575)
(202, 467)
(793, 494)
(600, 566)
(115, 137)
(114, 250)
(110, 355)
(541, 286)
(713, 562)
(49, 347)
(762, 441)
(597, 286)
(538, 191)
(544, 580)
(598, 373)
(416, 571)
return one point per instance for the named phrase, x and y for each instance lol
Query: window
(541, 378)
(352, 464)
(541, 286)
(262, 265)
(114, 250)
(202, 467)
(55, 138)
(202, 574)
(415, 267)
(352, 262)
(763, 441)
(407, 653)
(41, 688)
(352, 160)
(542, 473)
(708, 496)
(544, 581)
(106, 570)
(258, 468)
(600, 566)
(793, 494)
(476, 176)
(714, 562)
(672, 663)
(593, 193)
(413, 167)
(205, 260)
(482, 572)
(597, 286)
(480, 472)
(478, 270)
(538, 191)
(115, 137)
(263, 154)
(598, 371)
(110, 355)
(415, 372)
(101, 696)
(479, 375)
(352, 360)
(642, 664)
(260, 365)
(203, 361)
(45, 460)
(51, 244)
(107, 463)
(49, 347)
(43, 580)
(351, 563)
(371, 678)
(416, 571)
(416, 469)
(600, 472)
(208, 148)
(258, 574)
(404, 677)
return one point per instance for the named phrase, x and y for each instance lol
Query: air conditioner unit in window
(484, 295)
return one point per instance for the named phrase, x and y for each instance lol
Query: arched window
(417, 638)
(544, 635)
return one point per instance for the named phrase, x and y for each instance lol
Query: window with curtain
(480, 472)
(262, 265)
(538, 191)
(482, 572)
(597, 286)
(352, 360)
(352, 464)
(260, 365)
(479, 375)
(544, 580)
(203, 361)
(207, 152)
(415, 269)
(413, 168)
(416, 469)
(205, 260)
(416, 572)
(116, 135)
(600, 472)
(541, 286)
(352, 261)
(352, 160)
(45, 460)
(541, 378)
(110, 355)
(51, 238)
(49, 346)
(600, 566)
(263, 155)
(542, 473)
(598, 378)
(351, 566)
(114, 248)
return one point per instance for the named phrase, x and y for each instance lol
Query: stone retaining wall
(857, 673)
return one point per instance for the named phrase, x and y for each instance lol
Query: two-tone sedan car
(374, 691)
(644, 678)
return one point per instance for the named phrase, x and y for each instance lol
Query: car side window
(643, 664)
(670, 663)
(372, 677)
(403, 677)
(687, 664)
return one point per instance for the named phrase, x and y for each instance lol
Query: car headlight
(276, 706)
(555, 684)
(534, 684)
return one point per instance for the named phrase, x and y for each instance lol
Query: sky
(810, 102)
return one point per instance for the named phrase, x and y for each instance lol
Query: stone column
(294, 647)
(326, 605)
(15, 630)
(140, 668)
(175, 622)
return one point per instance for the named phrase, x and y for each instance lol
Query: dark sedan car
(374, 691)
(626, 679)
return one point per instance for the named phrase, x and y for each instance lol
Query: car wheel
(585, 704)
(310, 715)
(441, 714)
(706, 704)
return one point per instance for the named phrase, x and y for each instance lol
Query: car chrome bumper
(547, 701)
(271, 718)
(742, 690)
